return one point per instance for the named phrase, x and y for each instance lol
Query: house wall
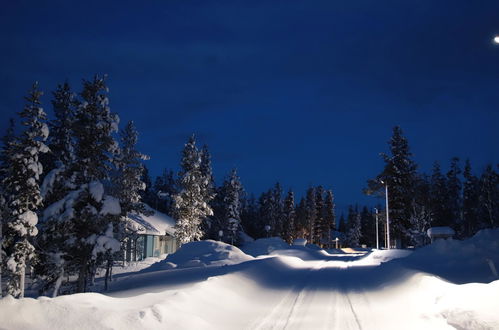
(149, 246)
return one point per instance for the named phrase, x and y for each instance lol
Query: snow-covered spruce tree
(439, 197)
(399, 173)
(489, 198)
(7, 142)
(129, 170)
(208, 189)
(276, 206)
(289, 216)
(310, 214)
(301, 226)
(354, 227)
(454, 197)
(249, 216)
(232, 193)
(420, 221)
(191, 204)
(319, 218)
(22, 191)
(86, 211)
(56, 184)
(329, 214)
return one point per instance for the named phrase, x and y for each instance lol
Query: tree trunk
(22, 278)
(82, 278)
(58, 283)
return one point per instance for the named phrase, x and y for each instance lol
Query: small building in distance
(154, 235)
(436, 233)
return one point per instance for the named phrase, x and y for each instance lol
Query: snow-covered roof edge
(157, 224)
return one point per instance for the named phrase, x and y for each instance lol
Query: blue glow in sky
(301, 92)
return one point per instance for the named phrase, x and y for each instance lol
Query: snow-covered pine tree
(87, 211)
(342, 225)
(265, 213)
(61, 144)
(208, 184)
(249, 216)
(128, 180)
(454, 197)
(439, 197)
(329, 215)
(319, 227)
(354, 227)
(7, 142)
(233, 192)
(56, 184)
(367, 225)
(22, 191)
(489, 197)
(310, 213)
(301, 226)
(289, 216)
(471, 202)
(277, 206)
(399, 173)
(191, 204)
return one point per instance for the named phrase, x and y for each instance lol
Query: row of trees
(458, 198)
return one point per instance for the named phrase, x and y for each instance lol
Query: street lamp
(387, 215)
(496, 39)
(377, 237)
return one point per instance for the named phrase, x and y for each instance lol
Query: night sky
(301, 92)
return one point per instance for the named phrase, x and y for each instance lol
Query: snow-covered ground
(211, 285)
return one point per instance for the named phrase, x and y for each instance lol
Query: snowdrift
(201, 254)
(459, 261)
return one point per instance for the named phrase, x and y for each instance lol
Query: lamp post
(387, 215)
(377, 237)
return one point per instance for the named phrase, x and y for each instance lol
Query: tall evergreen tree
(454, 197)
(354, 227)
(87, 211)
(319, 227)
(310, 213)
(399, 174)
(191, 202)
(438, 192)
(22, 191)
(489, 197)
(277, 207)
(289, 216)
(301, 226)
(128, 179)
(232, 193)
(7, 143)
(249, 217)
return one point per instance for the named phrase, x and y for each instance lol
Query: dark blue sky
(304, 92)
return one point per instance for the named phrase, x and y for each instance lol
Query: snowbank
(459, 261)
(202, 254)
(264, 246)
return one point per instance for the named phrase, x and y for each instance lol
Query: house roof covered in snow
(156, 224)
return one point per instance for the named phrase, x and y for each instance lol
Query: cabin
(154, 236)
(436, 233)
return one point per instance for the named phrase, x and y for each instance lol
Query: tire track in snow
(281, 313)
